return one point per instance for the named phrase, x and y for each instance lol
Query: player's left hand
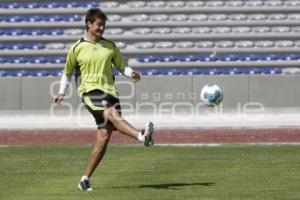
(136, 75)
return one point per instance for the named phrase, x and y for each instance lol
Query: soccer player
(93, 56)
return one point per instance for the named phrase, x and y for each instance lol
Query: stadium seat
(194, 4)
(273, 3)
(254, 3)
(164, 45)
(187, 58)
(204, 44)
(201, 30)
(114, 18)
(241, 29)
(257, 17)
(184, 44)
(54, 32)
(276, 16)
(217, 17)
(235, 3)
(109, 4)
(250, 57)
(261, 29)
(181, 30)
(161, 30)
(121, 45)
(141, 31)
(294, 16)
(224, 44)
(291, 3)
(74, 31)
(167, 58)
(284, 43)
(114, 31)
(137, 18)
(156, 4)
(136, 4)
(178, 17)
(221, 29)
(198, 17)
(55, 46)
(34, 18)
(146, 59)
(30, 5)
(264, 43)
(237, 17)
(280, 29)
(159, 17)
(144, 45)
(244, 44)
(177, 4)
(214, 3)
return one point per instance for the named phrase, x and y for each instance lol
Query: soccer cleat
(84, 186)
(149, 129)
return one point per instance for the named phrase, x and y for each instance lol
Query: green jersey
(94, 62)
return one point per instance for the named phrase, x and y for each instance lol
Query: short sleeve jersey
(94, 62)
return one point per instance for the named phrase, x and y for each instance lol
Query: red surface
(162, 136)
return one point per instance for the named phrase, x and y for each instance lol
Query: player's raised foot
(149, 129)
(84, 185)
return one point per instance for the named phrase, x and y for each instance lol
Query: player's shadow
(172, 186)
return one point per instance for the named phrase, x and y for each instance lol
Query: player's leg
(145, 135)
(102, 140)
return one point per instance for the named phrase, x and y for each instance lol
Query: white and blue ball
(211, 95)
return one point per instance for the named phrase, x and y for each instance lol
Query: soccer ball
(211, 95)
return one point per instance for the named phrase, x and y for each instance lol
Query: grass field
(137, 173)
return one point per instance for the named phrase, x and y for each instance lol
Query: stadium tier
(154, 34)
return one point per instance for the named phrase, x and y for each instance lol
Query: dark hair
(92, 14)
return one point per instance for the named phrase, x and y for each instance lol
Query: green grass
(138, 173)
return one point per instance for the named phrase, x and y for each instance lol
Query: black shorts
(96, 101)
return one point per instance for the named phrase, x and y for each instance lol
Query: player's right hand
(59, 98)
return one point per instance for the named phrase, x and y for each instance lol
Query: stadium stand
(160, 37)
(214, 31)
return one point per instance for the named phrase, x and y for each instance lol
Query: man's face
(97, 27)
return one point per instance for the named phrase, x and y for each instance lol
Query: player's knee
(103, 135)
(113, 114)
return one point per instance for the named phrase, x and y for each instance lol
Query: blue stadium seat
(15, 32)
(39, 60)
(36, 32)
(271, 70)
(207, 58)
(291, 56)
(50, 5)
(19, 60)
(270, 57)
(3, 73)
(3, 60)
(252, 71)
(212, 71)
(146, 59)
(72, 18)
(251, 57)
(12, 18)
(35, 18)
(230, 57)
(9, 5)
(194, 71)
(167, 58)
(54, 32)
(187, 58)
(16, 46)
(54, 18)
(232, 71)
(57, 59)
(30, 5)
(41, 73)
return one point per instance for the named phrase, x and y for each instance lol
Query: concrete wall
(158, 92)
